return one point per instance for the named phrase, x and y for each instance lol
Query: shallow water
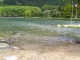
(37, 27)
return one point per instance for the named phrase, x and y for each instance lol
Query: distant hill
(34, 2)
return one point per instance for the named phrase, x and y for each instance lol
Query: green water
(38, 27)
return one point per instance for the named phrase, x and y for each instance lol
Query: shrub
(49, 7)
(66, 12)
(46, 13)
(55, 13)
(27, 13)
(18, 11)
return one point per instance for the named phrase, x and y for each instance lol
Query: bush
(46, 13)
(27, 13)
(67, 10)
(55, 13)
(49, 7)
(18, 11)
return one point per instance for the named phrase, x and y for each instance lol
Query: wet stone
(4, 45)
(77, 42)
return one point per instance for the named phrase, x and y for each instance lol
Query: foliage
(70, 1)
(10, 2)
(76, 9)
(51, 11)
(67, 10)
(46, 13)
(36, 12)
(77, 1)
(39, 3)
(27, 13)
(18, 11)
(55, 13)
(49, 7)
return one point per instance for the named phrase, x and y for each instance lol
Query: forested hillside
(35, 2)
(39, 8)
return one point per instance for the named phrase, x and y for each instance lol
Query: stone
(4, 45)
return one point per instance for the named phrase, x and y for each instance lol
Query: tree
(46, 13)
(66, 12)
(39, 3)
(76, 1)
(75, 8)
(23, 2)
(55, 13)
(10, 2)
(49, 7)
(27, 13)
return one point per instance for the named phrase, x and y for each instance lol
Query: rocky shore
(31, 47)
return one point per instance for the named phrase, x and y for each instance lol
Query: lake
(37, 27)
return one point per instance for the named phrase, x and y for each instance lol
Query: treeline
(45, 11)
(21, 11)
(18, 11)
(45, 8)
(38, 3)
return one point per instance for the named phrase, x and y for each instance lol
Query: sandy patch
(57, 51)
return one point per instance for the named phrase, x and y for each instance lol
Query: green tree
(67, 10)
(10, 2)
(49, 7)
(46, 13)
(27, 13)
(22, 2)
(55, 13)
(18, 11)
(75, 9)
(76, 1)
(39, 3)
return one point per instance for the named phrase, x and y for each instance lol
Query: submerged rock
(4, 45)
(78, 42)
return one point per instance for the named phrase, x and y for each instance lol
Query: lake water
(38, 27)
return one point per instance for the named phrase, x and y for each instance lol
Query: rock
(11, 57)
(4, 45)
(78, 42)
(16, 48)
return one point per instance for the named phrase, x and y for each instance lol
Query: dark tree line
(34, 2)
